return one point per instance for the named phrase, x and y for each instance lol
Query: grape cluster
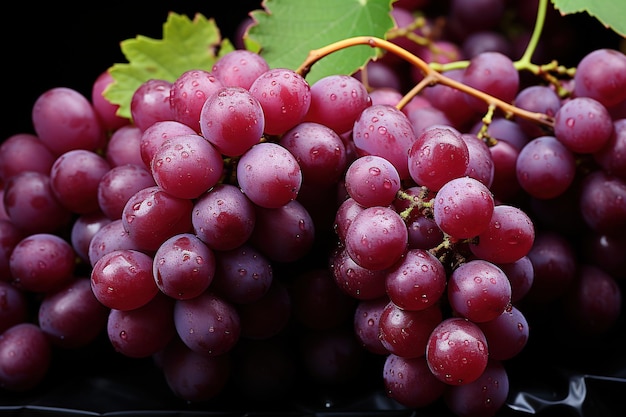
(243, 206)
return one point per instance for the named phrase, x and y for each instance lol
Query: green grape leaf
(608, 12)
(287, 31)
(186, 45)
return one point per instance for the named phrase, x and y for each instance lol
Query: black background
(62, 44)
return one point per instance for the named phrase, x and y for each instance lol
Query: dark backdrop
(55, 44)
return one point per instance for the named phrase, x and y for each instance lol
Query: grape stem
(431, 76)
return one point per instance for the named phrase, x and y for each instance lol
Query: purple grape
(124, 147)
(65, 120)
(366, 324)
(494, 74)
(242, 275)
(108, 238)
(602, 204)
(437, 156)
(405, 333)
(223, 218)
(188, 94)
(372, 181)
(521, 276)
(150, 103)
(232, 120)
(612, 156)
(118, 185)
(143, 331)
(106, 111)
(344, 216)
(480, 164)
(72, 317)
(337, 101)
(285, 97)
(600, 76)
(84, 229)
(505, 186)
(479, 291)
(239, 68)
(539, 99)
(10, 236)
(356, 281)
(377, 238)
(426, 117)
(410, 382)
(207, 324)
(269, 175)
(463, 207)
(151, 216)
(545, 167)
(122, 279)
(25, 357)
(24, 152)
(183, 266)
(42, 262)
(417, 281)
(319, 151)
(450, 100)
(583, 125)
(507, 334)
(508, 237)
(15, 306)
(483, 397)
(457, 352)
(186, 166)
(384, 131)
(156, 134)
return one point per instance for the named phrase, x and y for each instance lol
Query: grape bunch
(245, 214)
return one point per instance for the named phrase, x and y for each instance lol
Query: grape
(507, 334)
(72, 317)
(239, 68)
(505, 186)
(186, 166)
(344, 216)
(65, 120)
(118, 185)
(337, 101)
(283, 234)
(25, 357)
(106, 111)
(142, 331)
(242, 275)
(479, 291)
(600, 76)
(356, 281)
(42, 262)
(486, 41)
(122, 279)
(372, 181)
(593, 303)
(483, 397)
(424, 233)
(508, 237)
(14, 308)
(207, 324)
(156, 134)
(24, 152)
(463, 207)
(366, 324)
(437, 156)
(605, 250)
(223, 218)
(545, 167)
(183, 266)
(521, 275)
(456, 351)
(83, 230)
(602, 205)
(583, 125)
(384, 131)
(540, 99)
(425, 117)
(151, 216)
(410, 382)
(108, 238)
(404, 332)
(188, 94)
(450, 100)
(150, 103)
(477, 14)
(10, 236)
(417, 281)
(269, 175)
(75, 177)
(319, 151)
(194, 376)
(232, 120)
(480, 164)
(612, 156)
(285, 97)
(377, 238)
(124, 147)
(390, 95)
(501, 128)
(492, 73)
(31, 205)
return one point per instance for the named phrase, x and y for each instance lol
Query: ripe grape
(239, 68)
(25, 357)
(493, 73)
(120, 183)
(150, 103)
(188, 94)
(600, 76)
(372, 181)
(410, 382)
(406, 332)
(24, 152)
(583, 125)
(366, 324)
